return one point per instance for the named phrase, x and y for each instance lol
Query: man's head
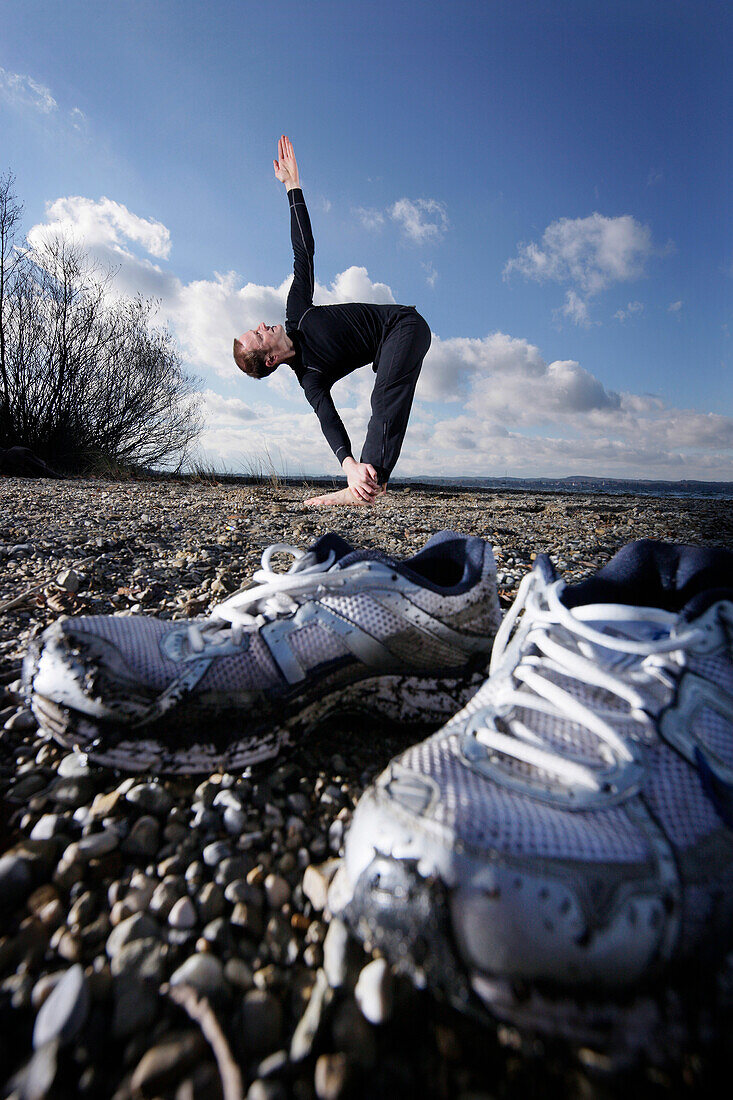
(259, 351)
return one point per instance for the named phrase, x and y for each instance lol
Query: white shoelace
(565, 644)
(270, 596)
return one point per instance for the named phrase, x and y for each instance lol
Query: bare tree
(10, 213)
(86, 378)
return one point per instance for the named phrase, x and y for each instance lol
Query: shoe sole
(406, 917)
(413, 700)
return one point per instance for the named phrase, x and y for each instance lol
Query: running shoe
(342, 629)
(566, 840)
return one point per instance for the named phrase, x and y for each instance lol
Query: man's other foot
(341, 496)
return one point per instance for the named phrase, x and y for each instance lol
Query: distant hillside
(722, 490)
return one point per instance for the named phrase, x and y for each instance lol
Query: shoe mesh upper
(674, 793)
(313, 644)
(620, 785)
(716, 668)
(371, 615)
(715, 734)
(250, 670)
(137, 638)
(486, 816)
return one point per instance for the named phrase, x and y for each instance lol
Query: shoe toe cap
(76, 666)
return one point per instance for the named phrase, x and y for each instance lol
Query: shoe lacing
(559, 641)
(270, 596)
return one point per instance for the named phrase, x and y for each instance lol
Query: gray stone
(352, 1034)
(143, 959)
(262, 1021)
(48, 826)
(373, 991)
(64, 1012)
(336, 953)
(238, 973)
(91, 846)
(332, 1075)
(182, 914)
(73, 765)
(16, 881)
(203, 972)
(135, 1005)
(83, 909)
(165, 896)
(241, 890)
(28, 785)
(277, 890)
(23, 719)
(266, 1090)
(231, 868)
(316, 880)
(69, 580)
(300, 803)
(150, 797)
(137, 927)
(75, 791)
(144, 837)
(214, 853)
(309, 1024)
(35, 1080)
(210, 902)
(161, 1067)
(234, 821)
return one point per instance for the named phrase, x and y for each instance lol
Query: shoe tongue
(642, 625)
(656, 574)
(366, 555)
(325, 545)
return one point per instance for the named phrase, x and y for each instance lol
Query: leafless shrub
(87, 379)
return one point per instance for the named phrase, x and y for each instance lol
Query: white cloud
(575, 309)
(483, 406)
(78, 119)
(674, 307)
(631, 309)
(22, 90)
(104, 225)
(431, 275)
(421, 220)
(25, 94)
(227, 409)
(369, 217)
(352, 285)
(591, 253)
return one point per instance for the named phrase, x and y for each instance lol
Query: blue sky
(548, 182)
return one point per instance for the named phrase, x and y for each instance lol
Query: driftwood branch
(16, 601)
(200, 1011)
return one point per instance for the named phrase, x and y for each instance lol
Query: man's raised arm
(300, 297)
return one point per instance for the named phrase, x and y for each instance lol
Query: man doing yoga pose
(325, 343)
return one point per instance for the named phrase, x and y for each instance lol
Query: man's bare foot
(340, 496)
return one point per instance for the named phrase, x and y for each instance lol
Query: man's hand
(362, 479)
(286, 166)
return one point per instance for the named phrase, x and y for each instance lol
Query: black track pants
(400, 360)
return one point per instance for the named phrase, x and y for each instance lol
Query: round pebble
(64, 1012)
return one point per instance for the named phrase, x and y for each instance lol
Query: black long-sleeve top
(330, 341)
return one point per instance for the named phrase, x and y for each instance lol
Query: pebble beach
(170, 937)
